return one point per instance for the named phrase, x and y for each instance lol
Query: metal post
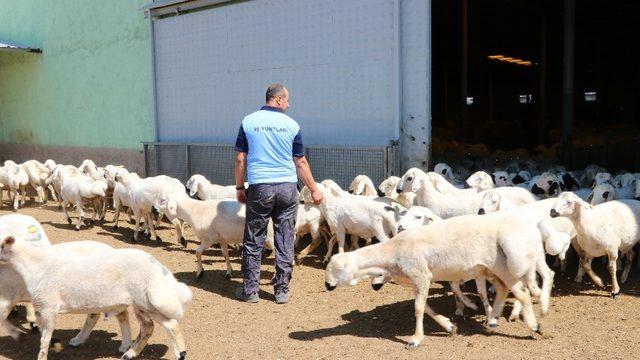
(568, 78)
(154, 88)
(146, 159)
(187, 151)
(464, 67)
(542, 116)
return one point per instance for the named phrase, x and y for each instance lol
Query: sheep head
(417, 216)
(410, 181)
(388, 186)
(566, 205)
(490, 202)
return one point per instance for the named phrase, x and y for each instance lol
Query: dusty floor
(353, 322)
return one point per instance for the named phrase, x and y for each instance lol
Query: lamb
(198, 184)
(75, 189)
(388, 188)
(13, 289)
(446, 171)
(604, 229)
(213, 221)
(588, 176)
(501, 179)
(14, 178)
(480, 180)
(38, 174)
(362, 185)
(85, 284)
(446, 205)
(144, 193)
(544, 185)
(55, 180)
(309, 220)
(121, 195)
(518, 178)
(359, 217)
(456, 249)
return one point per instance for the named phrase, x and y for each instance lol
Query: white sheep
(121, 195)
(518, 178)
(14, 179)
(309, 220)
(13, 289)
(60, 283)
(54, 181)
(388, 188)
(453, 250)
(354, 215)
(589, 174)
(501, 178)
(198, 184)
(362, 185)
(144, 194)
(219, 221)
(75, 190)
(446, 171)
(458, 202)
(604, 229)
(38, 174)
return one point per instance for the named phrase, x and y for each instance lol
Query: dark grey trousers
(278, 202)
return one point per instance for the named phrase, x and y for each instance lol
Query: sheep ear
(8, 241)
(593, 183)
(444, 171)
(193, 190)
(415, 184)
(360, 187)
(590, 198)
(606, 195)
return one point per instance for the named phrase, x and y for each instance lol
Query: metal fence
(216, 162)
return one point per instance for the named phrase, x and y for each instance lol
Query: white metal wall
(338, 59)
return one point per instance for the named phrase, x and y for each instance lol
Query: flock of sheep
(496, 227)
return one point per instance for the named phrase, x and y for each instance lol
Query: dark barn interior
(550, 78)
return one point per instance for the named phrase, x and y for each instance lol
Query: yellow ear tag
(32, 229)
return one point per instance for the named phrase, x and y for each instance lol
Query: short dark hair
(275, 90)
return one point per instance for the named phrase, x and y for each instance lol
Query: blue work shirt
(271, 139)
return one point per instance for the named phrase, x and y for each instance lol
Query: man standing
(270, 151)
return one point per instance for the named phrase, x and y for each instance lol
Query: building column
(568, 79)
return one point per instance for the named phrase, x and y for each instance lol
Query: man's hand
(241, 195)
(317, 196)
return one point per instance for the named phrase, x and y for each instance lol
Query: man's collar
(271, 108)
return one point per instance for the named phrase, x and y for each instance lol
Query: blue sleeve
(298, 147)
(241, 142)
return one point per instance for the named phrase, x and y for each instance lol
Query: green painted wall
(90, 87)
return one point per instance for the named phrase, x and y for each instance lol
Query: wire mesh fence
(216, 162)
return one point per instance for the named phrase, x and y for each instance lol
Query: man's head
(278, 96)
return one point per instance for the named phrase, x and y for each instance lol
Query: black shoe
(250, 298)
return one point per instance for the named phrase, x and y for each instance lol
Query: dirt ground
(351, 322)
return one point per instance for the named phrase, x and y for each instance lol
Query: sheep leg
(354, 243)
(5, 309)
(125, 329)
(204, 245)
(80, 214)
(422, 291)
(315, 242)
(332, 242)
(53, 192)
(498, 303)
(46, 320)
(96, 208)
(225, 253)
(66, 212)
(152, 228)
(527, 306)
(340, 235)
(137, 216)
(613, 267)
(547, 276)
(177, 224)
(31, 316)
(461, 299)
(116, 216)
(177, 340)
(16, 200)
(481, 285)
(23, 190)
(146, 330)
(627, 266)
(83, 335)
(586, 265)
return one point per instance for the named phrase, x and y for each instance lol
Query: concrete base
(133, 160)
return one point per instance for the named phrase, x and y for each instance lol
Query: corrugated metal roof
(7, 46)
